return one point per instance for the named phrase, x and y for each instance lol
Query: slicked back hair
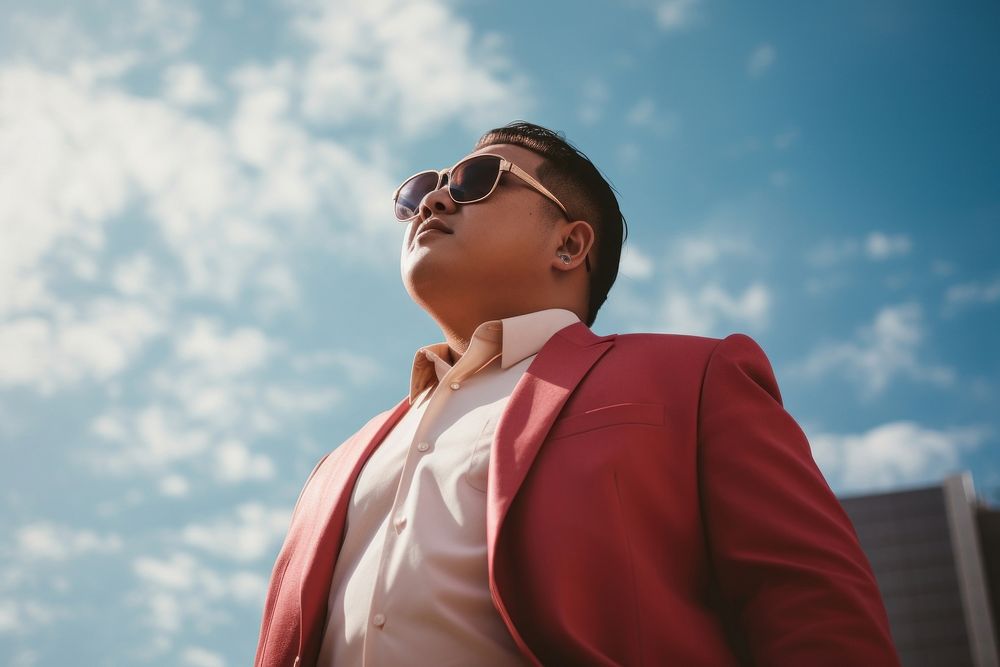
(572, 177)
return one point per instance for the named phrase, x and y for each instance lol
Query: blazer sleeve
(786, 559)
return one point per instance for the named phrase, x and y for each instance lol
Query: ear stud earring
(566, 259)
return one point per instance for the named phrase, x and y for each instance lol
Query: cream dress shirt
(411, 586)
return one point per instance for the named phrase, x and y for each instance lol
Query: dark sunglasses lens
(474, 178)
(412, 192)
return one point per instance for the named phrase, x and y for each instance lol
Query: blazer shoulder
(657, 343)
(697, 354)
(734, 343)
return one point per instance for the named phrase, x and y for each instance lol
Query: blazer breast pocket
(607, 415)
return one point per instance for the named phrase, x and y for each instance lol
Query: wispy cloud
(635, 264)
(373, 61)
(705, 310)
(674, 15)
(644, 114)
(692, 299)
(594, 95)
(96, 341)
(187, 85)
(196, 656)
(968, 294)
(876, 246)
(22, 616)
(761, 59)
(879, 353)
(251, 533)
(894, 454)
(879, 246)
(180, 592)
(50, 541)
(702, 252)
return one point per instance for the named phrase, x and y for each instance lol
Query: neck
(458, 321)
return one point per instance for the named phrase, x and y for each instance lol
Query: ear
(576, 238)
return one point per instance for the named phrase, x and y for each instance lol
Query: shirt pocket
(478, 468)
(607, 415)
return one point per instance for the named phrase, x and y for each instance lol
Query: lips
(432, 223)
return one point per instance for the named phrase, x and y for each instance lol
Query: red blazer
(649, 502)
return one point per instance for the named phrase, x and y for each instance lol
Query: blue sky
(199, 267)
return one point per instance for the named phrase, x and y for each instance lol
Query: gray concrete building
(936, 554)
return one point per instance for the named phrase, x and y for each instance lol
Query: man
(544, 495)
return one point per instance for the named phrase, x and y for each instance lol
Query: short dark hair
(588, 196)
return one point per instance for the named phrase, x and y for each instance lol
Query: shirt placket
(481, 352)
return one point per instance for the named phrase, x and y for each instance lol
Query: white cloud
(134, 276)
(880, 352)
(25, 657)
(645, 115)
(972, 293)
(96, 341)
(676, 14)
(228, 226)
(251, 534)
(223, 355)
(693, 299)
(695, 254)
(879, 246)
(196, 656)
(150, 439)
(358, 368)
(235, 463)
(642, 112)
(830, 253)
(595, 95)
(186, 85)
(892, 455)
(169, 24)
(761, 60)
(22, 616)
(628, 153)
(68, 37)
(179, 592)
(179, 572)
(174, 486)
(45, 540)
(876, 246)
(708, 310)
(635, 264)
(418, 65)
(9, 616)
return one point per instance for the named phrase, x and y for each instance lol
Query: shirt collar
(512, 338)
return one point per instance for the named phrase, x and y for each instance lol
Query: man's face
(497, 247)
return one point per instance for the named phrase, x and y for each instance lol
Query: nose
(436, 202)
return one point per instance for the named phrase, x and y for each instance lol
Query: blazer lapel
(534, 405)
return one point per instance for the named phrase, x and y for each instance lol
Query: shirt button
(423, 446)
(455, 386)
(400, 524)
(378, 620)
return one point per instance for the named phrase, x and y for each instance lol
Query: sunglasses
(471, 180)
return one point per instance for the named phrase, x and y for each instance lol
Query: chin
(424, 281)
